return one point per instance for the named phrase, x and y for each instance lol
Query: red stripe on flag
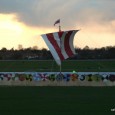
(55, 45)
(67, 45)
(60, 34)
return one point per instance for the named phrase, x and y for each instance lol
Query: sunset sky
(23, 21)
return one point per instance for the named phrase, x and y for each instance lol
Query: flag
(60, 44)
(56, 22)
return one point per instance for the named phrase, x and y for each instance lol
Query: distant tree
(86, 48)
(12, 49)
(35, 53)
(20, 47)
(28, 49)
(35, 47)
(4, 49)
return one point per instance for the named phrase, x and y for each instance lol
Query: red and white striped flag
(56, 22)
(60, 44)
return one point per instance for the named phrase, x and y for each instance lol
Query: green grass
(85, 65)
(57, 100)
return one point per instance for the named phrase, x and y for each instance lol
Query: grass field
(83, 66)
(57, 100)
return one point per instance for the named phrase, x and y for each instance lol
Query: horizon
(20, 47)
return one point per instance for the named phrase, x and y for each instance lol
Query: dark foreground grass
(68, 65)
(57, 100)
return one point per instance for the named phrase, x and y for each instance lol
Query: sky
(23, 21)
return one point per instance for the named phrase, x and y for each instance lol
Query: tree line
(44, 54)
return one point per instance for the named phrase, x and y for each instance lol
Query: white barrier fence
(57, 79)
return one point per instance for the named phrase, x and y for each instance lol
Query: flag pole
(59, 28)
(58, 22)
(60, 45)
(60, 69)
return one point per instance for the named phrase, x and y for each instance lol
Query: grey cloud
(45, 12)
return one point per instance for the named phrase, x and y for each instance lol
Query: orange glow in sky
(13, 33)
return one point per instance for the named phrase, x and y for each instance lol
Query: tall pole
(60, 44)
(59, 28)
(60, 69)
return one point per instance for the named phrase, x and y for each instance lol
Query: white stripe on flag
(52, 49)
(62, 45)
(56, 37)
(71, 42)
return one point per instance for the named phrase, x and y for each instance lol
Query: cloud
(41, 13)
(95, 18)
